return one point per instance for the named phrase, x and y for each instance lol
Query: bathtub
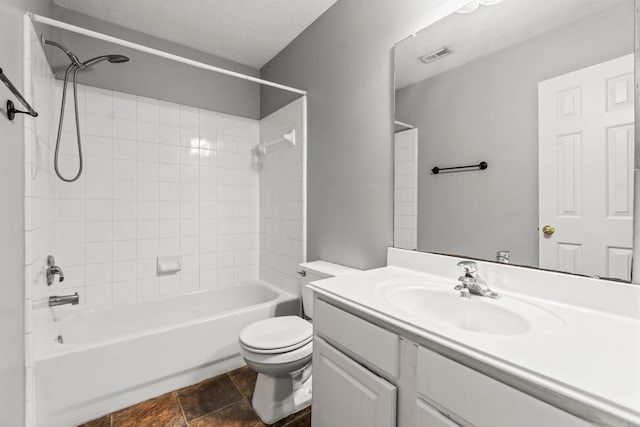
(109, 358)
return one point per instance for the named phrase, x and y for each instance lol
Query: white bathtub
(113, 357)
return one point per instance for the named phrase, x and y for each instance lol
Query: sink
(504, 316)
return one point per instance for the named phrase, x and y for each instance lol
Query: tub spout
(64, 299)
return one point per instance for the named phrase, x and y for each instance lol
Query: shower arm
(72, 56)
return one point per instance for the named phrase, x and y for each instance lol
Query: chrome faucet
(471, 283)
(64, 299)
(52, 270)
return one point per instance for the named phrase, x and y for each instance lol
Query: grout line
(220, 409)
(298, 417)
(216, 410)
(184, 416)
(237, 388)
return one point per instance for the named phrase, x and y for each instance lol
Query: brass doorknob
(548, 230)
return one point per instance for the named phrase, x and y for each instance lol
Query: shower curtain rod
(156, 52)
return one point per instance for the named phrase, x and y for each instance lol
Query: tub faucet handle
(52, 270)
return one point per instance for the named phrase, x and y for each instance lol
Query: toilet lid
(277, 334)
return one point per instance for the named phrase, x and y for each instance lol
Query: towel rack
(480, 166)
(11, 109)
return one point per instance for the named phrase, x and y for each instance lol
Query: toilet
(279, 349)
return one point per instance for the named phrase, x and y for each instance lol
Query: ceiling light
(469, 7)
(435, 55)
(473, 5)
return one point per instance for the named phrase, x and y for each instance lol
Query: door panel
(586, 132)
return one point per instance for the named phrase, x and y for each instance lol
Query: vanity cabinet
(428, 416)
(471, 398)
(354, 365)
(366, 375)
(347, 394)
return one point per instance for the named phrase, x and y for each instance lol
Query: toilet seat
(276, 335)
(279, 350)
(298, 355)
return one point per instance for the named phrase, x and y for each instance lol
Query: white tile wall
(159, 179)
(281, 200)
(405, 212)
(39, 191)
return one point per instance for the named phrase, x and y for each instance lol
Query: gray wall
(148, 75)
(487, 110)
(12, 217)
(344, 59)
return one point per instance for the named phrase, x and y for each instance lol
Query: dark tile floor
(222, 401)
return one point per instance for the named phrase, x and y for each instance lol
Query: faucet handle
(52, 269)
(470, 268)
(463, 287)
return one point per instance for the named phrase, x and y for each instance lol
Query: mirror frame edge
(635, 255)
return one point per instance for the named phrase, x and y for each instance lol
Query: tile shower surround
(282, 246)
(39, 191)
(159, 179)
(405, 193)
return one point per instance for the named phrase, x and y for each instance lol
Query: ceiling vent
(434, 56)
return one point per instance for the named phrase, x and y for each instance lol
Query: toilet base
(275, 398)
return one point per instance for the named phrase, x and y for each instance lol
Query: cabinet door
(483, 401)
(429, 417)
(345, 394)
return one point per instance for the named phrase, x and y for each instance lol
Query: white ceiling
(489, 29)
(250, 32)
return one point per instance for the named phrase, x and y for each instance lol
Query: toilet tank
(317, 270)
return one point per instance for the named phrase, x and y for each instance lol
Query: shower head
(114, 59)
(74, 59)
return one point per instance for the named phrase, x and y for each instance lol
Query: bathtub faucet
(64, 299)
(52, 270)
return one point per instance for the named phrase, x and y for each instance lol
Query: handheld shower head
(72, 70)
(74, 59)
(118, 59)
(113, 59)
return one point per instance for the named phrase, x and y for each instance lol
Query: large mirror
(515, 135)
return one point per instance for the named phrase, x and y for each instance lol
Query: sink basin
(504, 316)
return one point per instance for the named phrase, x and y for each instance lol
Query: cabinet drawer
(373, 345)
(483, 401)
(345, 394)
(429, 417)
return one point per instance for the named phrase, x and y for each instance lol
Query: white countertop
(594, 359)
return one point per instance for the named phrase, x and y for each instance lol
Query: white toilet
(280, 349)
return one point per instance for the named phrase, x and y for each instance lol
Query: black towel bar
(480, 166)
(11, 109)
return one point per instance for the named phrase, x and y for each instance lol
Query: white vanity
(399, 346)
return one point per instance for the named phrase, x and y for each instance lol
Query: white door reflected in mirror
(586, 124)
